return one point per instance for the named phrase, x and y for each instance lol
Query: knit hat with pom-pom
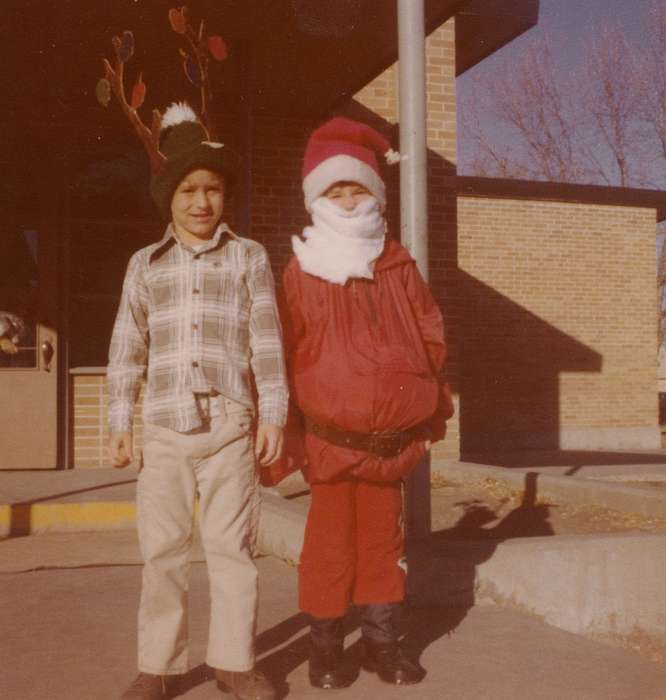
(185, 143)
(343, 150)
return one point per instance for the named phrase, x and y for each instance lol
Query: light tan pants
(218, 464)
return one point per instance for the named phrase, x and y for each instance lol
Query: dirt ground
(489, 509)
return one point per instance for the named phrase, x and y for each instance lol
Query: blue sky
(568, 25)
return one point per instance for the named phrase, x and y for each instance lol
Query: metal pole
(413, 208)
(413, 169)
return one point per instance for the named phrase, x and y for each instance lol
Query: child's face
(197, 205)
(347, 195)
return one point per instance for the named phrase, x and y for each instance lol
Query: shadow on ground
(443, 568)
(441, 585)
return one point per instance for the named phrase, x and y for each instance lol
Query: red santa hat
(343, 150)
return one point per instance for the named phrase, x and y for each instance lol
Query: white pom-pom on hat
(177, 113)
(392, 157)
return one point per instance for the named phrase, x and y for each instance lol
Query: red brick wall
(277, 210)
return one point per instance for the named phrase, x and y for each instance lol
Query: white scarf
(341, 244)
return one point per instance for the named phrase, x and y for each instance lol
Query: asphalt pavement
(69, 594)
(68, 620)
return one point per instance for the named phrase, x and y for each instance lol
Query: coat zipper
(371, 305)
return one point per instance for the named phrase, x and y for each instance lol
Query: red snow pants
(353, 547)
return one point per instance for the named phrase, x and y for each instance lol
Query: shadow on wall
(511, 361)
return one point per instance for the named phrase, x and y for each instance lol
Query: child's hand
(120, 449)
(268, 445)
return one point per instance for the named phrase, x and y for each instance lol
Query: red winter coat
(366, 357)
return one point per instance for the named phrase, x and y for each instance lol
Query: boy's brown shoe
(245, 685)
(146, 686)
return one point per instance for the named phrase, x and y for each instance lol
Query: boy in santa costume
(365, 347)
(197, 317)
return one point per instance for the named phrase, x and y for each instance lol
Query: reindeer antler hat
(185, 143)
(178, 141)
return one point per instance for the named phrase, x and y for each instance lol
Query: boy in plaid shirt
(198, 319)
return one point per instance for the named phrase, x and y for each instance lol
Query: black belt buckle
(386, 445)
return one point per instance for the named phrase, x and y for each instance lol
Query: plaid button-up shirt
(192, 321)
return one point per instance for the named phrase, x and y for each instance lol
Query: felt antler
(114, 81)
(195, 64)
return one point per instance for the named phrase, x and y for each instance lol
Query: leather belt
(381, 444)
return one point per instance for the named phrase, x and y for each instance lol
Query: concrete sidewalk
(70, 634)
(602, 585)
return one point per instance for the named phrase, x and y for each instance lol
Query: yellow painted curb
(36, 518)
(5, 519)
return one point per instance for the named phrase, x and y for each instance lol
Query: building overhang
(485, 26)
(288, 58)
(310, 55)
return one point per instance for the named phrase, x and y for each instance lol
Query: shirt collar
(170, 239)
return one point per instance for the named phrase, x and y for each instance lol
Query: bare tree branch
(530, 101)
(606, 124)
(612, 100)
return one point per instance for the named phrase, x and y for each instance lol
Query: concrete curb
(604, 586)
(281, 522)
(569, 489)
(281, 527)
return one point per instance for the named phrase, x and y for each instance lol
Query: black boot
(382, 653)
(388, 661)
(326, 668)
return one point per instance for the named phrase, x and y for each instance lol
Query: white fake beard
(341, 244)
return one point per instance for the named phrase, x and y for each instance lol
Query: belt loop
(221, 406)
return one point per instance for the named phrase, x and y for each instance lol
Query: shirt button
(195, 327)
(195, 364)
(195, 291)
